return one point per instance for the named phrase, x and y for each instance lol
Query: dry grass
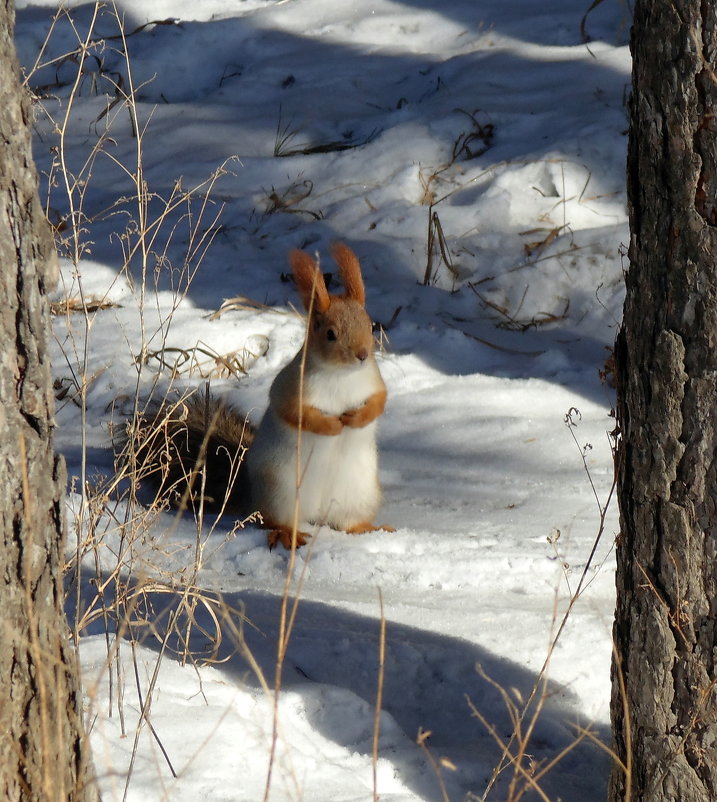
(468, 145)
(124, 576)
(525, 773)
(120, 576)
(436, 238)
(286, 133)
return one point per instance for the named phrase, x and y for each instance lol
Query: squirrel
(313, 457)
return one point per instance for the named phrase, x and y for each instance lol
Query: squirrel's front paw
(334, 426)
(367, 412)
(354, 418)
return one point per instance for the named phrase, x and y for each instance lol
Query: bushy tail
(191, 451)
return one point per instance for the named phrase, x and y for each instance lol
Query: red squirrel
(313, 457)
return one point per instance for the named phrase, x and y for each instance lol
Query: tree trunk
(43, 755)
(665, 721)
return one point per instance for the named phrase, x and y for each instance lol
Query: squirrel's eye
(330, 335)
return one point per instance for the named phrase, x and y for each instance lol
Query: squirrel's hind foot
(367, 526)
(285, 536)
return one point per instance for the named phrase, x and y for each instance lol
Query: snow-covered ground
(334, 120)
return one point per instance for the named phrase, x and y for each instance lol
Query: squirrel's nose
(362, 355)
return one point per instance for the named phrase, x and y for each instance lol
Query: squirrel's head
(340, 331)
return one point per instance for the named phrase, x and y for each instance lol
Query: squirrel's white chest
(335, 391)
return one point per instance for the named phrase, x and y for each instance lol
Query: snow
(514, 129)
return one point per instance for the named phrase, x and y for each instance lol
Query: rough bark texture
(42, 753)
(666, 620)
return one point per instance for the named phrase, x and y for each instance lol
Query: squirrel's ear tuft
(309, 281)
(350, 270)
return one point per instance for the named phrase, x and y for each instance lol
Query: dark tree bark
(43, 755)
(666, 620)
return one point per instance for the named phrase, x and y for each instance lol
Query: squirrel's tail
(191, 451)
